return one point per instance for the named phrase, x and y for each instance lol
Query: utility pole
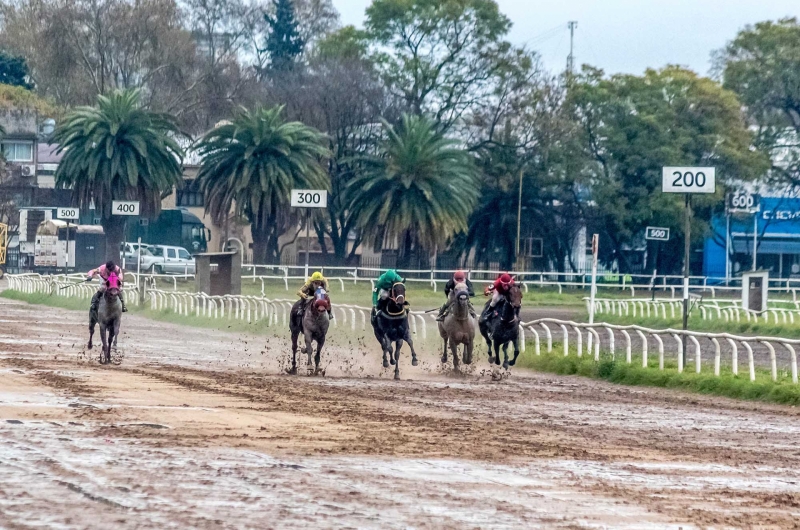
(519, 217)
(572, 25)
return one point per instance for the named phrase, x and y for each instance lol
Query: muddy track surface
(196, 428)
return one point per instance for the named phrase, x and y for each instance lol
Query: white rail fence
(593, 340)
(275, 312)
(727, 310)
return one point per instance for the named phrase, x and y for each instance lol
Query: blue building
(777, 230)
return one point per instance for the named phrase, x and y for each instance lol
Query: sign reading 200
(688, 180)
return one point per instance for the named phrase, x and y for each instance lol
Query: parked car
(129, 251)
(165, 259)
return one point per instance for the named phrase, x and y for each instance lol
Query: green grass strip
(618, 371)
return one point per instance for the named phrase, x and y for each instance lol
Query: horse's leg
(385, 346)
(112, 337)
(454, 351)
(92, 324)
(468, 351)
(103, 339)
(317, 357)
(396, 358)
(309, 349)
(295, 335)
(444, 351)
(505, 356)
(117, 326)
(407, 338)
(516, 351)
(496, 352)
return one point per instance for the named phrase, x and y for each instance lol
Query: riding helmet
(317, 277)
(459, 276)
(506, 278)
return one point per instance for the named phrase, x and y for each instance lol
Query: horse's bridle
(393, 299)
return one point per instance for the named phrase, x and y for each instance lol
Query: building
(775, 230)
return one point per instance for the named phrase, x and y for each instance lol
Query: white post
(728, 249)
(755, 238)
(595, 242)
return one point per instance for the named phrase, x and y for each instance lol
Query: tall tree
(118, 151)
(419, 192)
(249, 167)
(440, 56)
(14, 71)
(283, 44)
(762, 66)
(633, 126)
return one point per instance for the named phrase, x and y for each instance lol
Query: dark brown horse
(502, 327)
(109, 316)
(313, 323)
(390, 323)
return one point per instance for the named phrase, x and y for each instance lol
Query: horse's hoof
(292, 370)
(397, 377)
(89, 346)
(444, 359)
(414, 362)
(386, 364)
(491, 359)
(505, 365)
(512, 362)
(392, 362)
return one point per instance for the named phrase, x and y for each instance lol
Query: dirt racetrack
(199, 429)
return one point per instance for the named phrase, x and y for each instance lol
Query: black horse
(502, 326)
(390, 323)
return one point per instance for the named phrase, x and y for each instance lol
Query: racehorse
(502, 327)
(313, 323)
(109, 315)
(458, 326)
(390, 324)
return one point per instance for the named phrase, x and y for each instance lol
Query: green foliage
(635, 125)
(118, 151)
(250, 166)
(617, 371)
(762, 66)
(346, 43)
(422, 189)
(283, 43)
(14, 71)
(438, 55)
(16, 97)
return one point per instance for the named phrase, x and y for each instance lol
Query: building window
(531, 247)
(18, 151)
(189, 196)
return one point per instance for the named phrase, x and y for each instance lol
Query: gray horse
(109, 316)
(313, 323)
(458, 326)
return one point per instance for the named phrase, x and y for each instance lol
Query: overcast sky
(624, 35)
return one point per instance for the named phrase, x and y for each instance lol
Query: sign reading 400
(124, 207)
(688, 180)
(309, 198)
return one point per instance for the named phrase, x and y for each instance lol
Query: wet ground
(199, 428)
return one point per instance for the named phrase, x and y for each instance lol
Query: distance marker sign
(309, 198)
(124, 207)
(68, 213)
(689, 180)
(656, 233)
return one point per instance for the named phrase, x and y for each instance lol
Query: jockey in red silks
(106, 271)
(500, 288)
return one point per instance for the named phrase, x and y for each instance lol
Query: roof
(47, 154)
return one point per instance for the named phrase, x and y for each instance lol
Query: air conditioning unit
(27, 170)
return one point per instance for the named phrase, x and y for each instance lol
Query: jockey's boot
(124, 307)
(443, 312)
(330, 314)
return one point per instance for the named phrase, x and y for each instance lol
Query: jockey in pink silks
(104, 271)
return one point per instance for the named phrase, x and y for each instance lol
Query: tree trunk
(260, 244)
(114, 228)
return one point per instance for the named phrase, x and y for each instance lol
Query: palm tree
(421, 190)
(249, 167)
(117, 150)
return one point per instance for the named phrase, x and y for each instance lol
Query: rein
(393, 316)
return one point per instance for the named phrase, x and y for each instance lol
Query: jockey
(458, 277)
(309, 289)
(383, 285)
(104, 271)
(500, 288)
